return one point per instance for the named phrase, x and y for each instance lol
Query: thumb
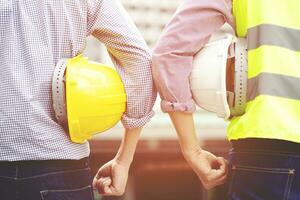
(222, 169)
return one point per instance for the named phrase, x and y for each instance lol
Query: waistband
(71, 164)
(258, 144)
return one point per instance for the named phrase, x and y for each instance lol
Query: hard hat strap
(59, 93)
(241, 73)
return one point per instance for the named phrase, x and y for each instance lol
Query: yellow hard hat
(88, 97)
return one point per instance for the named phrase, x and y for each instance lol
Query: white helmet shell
(208, 76)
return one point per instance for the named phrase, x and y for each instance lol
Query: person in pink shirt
(187, 32)
(264, 160)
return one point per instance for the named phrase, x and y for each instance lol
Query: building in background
(150, 16)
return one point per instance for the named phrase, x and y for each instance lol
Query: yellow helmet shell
(95, 98)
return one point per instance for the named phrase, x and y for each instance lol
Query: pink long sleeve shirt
(186, 33)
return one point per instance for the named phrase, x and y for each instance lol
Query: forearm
(185, 128)
(128, 145)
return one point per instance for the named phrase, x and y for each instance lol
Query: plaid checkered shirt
(34, 35)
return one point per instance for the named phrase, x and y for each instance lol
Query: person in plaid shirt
(37, 158)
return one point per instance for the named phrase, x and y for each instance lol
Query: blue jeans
(46, 180)
(263, 170)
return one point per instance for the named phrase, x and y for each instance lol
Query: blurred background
(159, 171)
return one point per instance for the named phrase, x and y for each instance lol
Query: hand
(111, 178)
(211, 170)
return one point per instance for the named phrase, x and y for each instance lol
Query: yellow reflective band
(272, 59)
(268, 117)
(267, 12)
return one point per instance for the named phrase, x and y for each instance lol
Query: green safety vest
(272, 28)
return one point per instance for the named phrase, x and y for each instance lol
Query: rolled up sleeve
(186, 33)
(109, 22)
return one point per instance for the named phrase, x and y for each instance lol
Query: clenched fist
(111, 178)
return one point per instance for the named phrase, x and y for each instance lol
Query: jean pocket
(251, 183)
(84, 193)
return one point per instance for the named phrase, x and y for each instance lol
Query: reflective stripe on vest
(273, 85)
(273, 108)
(268, 34)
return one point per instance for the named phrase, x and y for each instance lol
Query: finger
(105, 170)
(95, 183)
(214, 176)
(103, 183)
(222, 162)
(95, 180)
(99, 186)
(227, 163)
(218, 174)
(222, 180)
(107, 181)
(213, 183)
(208, 186)
(223, 177)
(223, 168)
(99, 173)
(108, 191)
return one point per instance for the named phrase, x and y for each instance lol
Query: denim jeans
(46, 180)
(259, 171)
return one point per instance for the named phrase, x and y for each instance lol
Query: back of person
(265, 156)
(273, 32)
(33, 36)
(266, 139)
(37, 158)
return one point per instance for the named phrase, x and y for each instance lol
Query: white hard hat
(208, 77)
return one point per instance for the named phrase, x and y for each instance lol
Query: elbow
(158, 59)
(155, 59)
(147, 57)
(157, 54)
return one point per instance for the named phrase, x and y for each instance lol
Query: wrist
(123, 161)
(190, 152)
(127, 148)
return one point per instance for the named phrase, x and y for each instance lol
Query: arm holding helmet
(184, 36)
(130, 55)
(132, 60)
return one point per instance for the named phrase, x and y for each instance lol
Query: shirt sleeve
(186, 33)
(109, 22)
